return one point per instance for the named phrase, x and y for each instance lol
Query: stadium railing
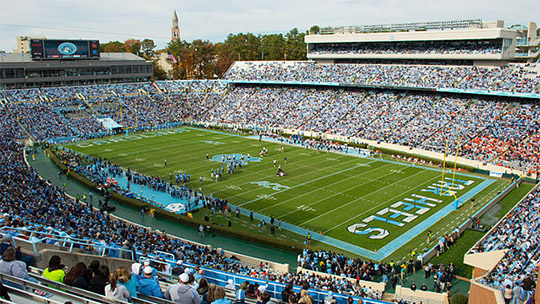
(68, 242)
(274, 288)
(420, 296)
(26, 285)
(38, 275)
(377, 286)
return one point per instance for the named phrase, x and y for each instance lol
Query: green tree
(244, 46)
(133, 46)
(314, 30)
(224, 58)
(159, 73)
(147, 47)
(204, 59)
(272, 47)
(177, 48)
(112, 47)
(296, 47)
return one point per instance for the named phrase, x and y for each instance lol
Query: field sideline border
(392, 246)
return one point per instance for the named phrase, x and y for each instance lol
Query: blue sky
(213, 20)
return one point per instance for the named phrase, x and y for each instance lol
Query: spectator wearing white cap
(261, 289)
(146, 263)
(149, 285)
(230, 284)
(178, 268)
(330, 299)
(136, 270)
(182, 292)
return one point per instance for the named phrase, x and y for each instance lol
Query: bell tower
(175, 30)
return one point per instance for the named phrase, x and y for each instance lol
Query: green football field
(326, 193)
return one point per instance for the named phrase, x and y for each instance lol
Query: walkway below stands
(49, 171)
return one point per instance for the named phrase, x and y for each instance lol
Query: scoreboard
(64, 49)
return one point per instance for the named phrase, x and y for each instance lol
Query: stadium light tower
(175, 30)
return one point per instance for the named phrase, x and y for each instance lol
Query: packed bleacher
(408, 48)
(510, 78)
(484, 129)
(22, 95)
(519, 233)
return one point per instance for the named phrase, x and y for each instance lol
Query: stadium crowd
(509, 78)
(486, 129)
(406, 48)
(519, 233)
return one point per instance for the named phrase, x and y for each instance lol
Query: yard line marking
(339, 207)
(196, 170)
(304, 183)
(272, 168)
(317, 189)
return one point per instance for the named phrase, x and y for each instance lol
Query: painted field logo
(176, 208)
(269, 185)
(222, 158)
(267, 197)
(305, 208)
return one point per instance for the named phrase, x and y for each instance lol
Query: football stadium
(399, 163)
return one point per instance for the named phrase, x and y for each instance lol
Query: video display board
(64, 49)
